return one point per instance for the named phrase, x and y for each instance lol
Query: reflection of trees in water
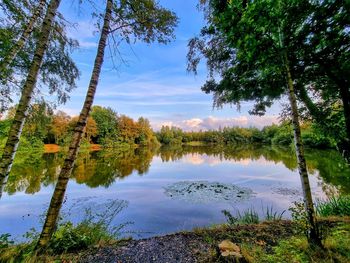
(329, 163)
(31, 170)
(94, 169)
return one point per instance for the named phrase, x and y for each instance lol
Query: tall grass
(96, 228)
(335, 206)
(250, 216)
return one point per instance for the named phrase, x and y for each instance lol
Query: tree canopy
(243, 43)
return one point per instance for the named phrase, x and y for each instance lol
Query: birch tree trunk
(26, 96)
(299, 148)
(5, 63)
(59, 192)
(345, 96)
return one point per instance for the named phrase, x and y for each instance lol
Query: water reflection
(33, 170)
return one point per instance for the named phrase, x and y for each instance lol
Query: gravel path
(181, 247)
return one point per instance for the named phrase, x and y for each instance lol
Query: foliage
(274, 134)
(106, 121)
(5, 241)
(245, 44)
(335, 206)
(103, 126)
(58, 72)
(300, 218)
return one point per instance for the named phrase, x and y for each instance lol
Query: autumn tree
(59, 125)
(145, 133)
(90, 129)
(130, 20)
(128, 129)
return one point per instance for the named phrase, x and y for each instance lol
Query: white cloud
(213, 123)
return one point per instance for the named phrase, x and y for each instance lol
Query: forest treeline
(108, 128)
(281, 134)
(104, 126)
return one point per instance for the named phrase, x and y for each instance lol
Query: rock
(227, 248)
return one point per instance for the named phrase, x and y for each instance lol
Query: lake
(159, 191)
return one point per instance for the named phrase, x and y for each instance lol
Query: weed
(271, 215)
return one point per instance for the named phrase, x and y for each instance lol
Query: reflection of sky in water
(155, 213)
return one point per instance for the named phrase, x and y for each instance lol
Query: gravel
(180, 247)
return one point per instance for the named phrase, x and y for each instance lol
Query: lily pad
(205, 192)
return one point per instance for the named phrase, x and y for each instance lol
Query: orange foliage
(60, 122)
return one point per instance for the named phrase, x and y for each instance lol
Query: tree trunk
(27, 92)
(299, 148)
(59, 192)
(345, 96)
(23, 38)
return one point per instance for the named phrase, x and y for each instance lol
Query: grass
(250, 216)
(296, 249)
(94, 230)
(335, 206)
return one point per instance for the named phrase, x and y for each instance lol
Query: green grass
(95, 229)
(250, 216)
(335, 206)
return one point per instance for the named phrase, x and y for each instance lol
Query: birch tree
(128, 20)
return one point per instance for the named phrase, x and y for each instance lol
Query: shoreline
(198, 245)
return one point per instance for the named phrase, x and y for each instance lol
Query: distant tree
(38, 120)
(145, 133)
(59, 125)
(165, 135)
(128, 129)
(90, 129)
(106, 122)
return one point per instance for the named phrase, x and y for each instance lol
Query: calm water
(140, 177)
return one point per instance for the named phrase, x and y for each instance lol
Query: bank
(269, 241)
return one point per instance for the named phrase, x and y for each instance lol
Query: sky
(153, 82)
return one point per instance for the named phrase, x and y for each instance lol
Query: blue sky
(154, 82)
